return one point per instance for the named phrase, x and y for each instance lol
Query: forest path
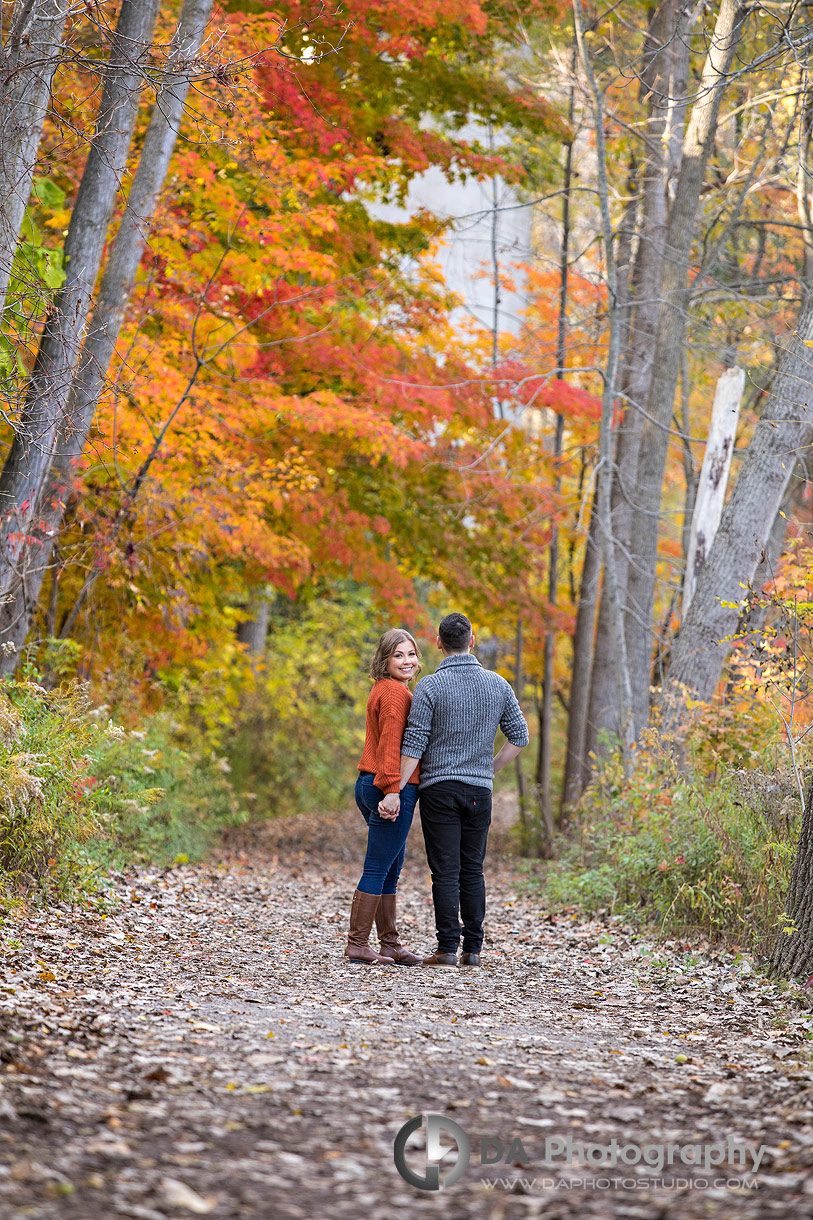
(205, 1050)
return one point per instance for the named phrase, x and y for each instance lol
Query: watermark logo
(436, 1154)
(448, 1153)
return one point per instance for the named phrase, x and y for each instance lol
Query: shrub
(78, 794)
(47, 811)
(706, 853)
(302, 730)
(157, 800)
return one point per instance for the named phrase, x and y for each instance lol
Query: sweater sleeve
(512, 721)
(419, 724)
(391, 721)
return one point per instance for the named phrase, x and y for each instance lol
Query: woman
(396, 661)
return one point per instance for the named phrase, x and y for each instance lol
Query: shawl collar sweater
(454, 719)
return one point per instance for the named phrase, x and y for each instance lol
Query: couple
(439, 745)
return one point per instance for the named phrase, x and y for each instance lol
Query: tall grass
(707, 853)
(79, 794)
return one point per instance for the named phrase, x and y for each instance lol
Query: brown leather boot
(388, 934)
(362, 914)
(444, 961)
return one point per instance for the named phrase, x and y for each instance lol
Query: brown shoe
(362, 914)
(470, 959)
(388, 934)
(446, 961)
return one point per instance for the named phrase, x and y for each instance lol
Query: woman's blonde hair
(386, 647)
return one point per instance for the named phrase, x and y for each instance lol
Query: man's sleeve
(512, 721)
(419, 725)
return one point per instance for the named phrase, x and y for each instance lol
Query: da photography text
(445, 1152)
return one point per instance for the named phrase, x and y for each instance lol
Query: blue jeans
(386, 841)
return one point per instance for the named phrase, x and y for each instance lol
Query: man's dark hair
(455, 632)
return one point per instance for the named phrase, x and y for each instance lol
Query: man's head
(455, 634)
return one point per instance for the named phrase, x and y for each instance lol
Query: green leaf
(47, 192)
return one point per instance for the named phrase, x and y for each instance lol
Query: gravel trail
(205, 1050)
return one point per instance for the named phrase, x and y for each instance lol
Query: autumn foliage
(290, 404)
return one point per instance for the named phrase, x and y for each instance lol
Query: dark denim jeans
(386, 841)
(455, 817)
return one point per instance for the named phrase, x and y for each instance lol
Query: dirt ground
(204, 1049)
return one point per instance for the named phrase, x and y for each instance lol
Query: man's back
(454, 719)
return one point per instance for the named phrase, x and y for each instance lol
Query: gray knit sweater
(454, 719)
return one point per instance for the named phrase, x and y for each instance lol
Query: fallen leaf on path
(178, 1194)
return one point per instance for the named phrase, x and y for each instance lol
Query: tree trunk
(27, 64)
(803, 172)
(610, 381)
(31, 451)
(689, 471)
(711, 488)
(522, 796)
(108, 316)
(543, 769)
(785, 429)
(789, 504)
(663, 79)
(792, 954)
(671, 336)
(253, 631)
(577, 763)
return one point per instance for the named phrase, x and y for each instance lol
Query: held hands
(390, 807)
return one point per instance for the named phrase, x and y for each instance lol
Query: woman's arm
(391, 804)
(393, 710)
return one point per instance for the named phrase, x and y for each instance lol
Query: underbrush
(79, 794)
(159, 800)
(301, 732)
(710, 852)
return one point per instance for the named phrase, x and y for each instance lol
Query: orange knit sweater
(387, 711)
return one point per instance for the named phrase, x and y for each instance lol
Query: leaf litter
(203, 1048)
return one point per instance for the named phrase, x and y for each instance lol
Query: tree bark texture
(108, 317)
(711, 487)
(27, 64)
(792, 954)
(544, 760)
(664, 78)
(671, 336)
(577, 762)
(789, 504)
(609, 390)
(522, 796)
(32, 449)
(784, 433)
(253, 631)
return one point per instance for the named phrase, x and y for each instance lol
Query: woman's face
(403, 663)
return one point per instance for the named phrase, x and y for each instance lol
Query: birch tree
(671, 337)
(783, 434)
(664, 83)
(105, 326)
(29, 459)
(610, 374)
(711, 488)
(28, 60)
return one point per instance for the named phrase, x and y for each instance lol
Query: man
(451, 729)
